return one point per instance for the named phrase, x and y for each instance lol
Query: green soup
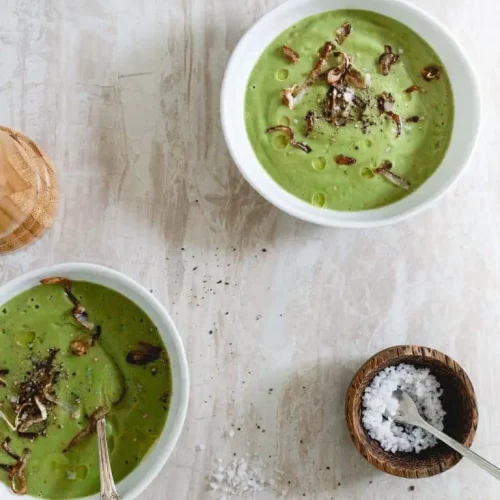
(371, 138)
(137, 395)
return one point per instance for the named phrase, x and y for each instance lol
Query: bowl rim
(158, 454)
(372, 367)
(300, 209)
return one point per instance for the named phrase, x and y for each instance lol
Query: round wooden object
(458, 399)
(28, 191)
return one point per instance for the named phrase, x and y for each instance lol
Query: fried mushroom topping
(387, 60)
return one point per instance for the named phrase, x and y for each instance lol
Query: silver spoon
(408, 413)
(108, 488)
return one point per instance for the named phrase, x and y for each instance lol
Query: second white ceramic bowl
(136, 482)
(466, 101)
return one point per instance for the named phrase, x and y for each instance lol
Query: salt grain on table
(242, 477)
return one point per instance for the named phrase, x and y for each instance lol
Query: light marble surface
(123, 95)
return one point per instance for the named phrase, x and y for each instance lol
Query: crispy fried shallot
(385, 171)
(387, 60)
(323, 56)
(310, 121)
(96, 336)
(342, 33)
(291, 137)
(397, 120)
(31, 404)
(54, 281)
(290, 98)
(385, 102)
(354, 78)
(89, 428)
(144, 354)
(415, 88)
(290, 54)
(79, 347)
(3, 371)
(345, 160)
(27, 416)
(293, 95)
(359, 102)
(78, 312)
(335, 74)
(18, 483)
(432, 72)
(4, 417)
(414, 119)
(338, 103)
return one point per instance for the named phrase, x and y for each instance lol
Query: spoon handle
(463, 450)
(108, 489)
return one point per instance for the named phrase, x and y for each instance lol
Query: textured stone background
(123, 95)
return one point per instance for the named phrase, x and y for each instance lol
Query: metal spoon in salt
(108, 489)
(408, 413)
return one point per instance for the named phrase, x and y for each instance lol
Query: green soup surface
(370, 137)
(138, 396)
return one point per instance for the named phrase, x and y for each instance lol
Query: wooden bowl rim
(369, 368)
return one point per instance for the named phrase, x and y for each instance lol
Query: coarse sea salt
(244, 477)
(240, 476)
(378, 402)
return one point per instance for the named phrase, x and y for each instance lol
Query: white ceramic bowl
(466, 100)
(135, 483)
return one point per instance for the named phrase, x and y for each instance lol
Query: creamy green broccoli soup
(349, 110)
(69, 353)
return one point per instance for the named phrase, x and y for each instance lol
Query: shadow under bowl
(458, 400)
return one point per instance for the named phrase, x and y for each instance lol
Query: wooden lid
(28, 191)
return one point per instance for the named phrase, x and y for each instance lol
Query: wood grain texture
(123, 95)
(28, 210)
(458, 399)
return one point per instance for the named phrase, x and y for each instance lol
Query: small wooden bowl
(458, 399)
